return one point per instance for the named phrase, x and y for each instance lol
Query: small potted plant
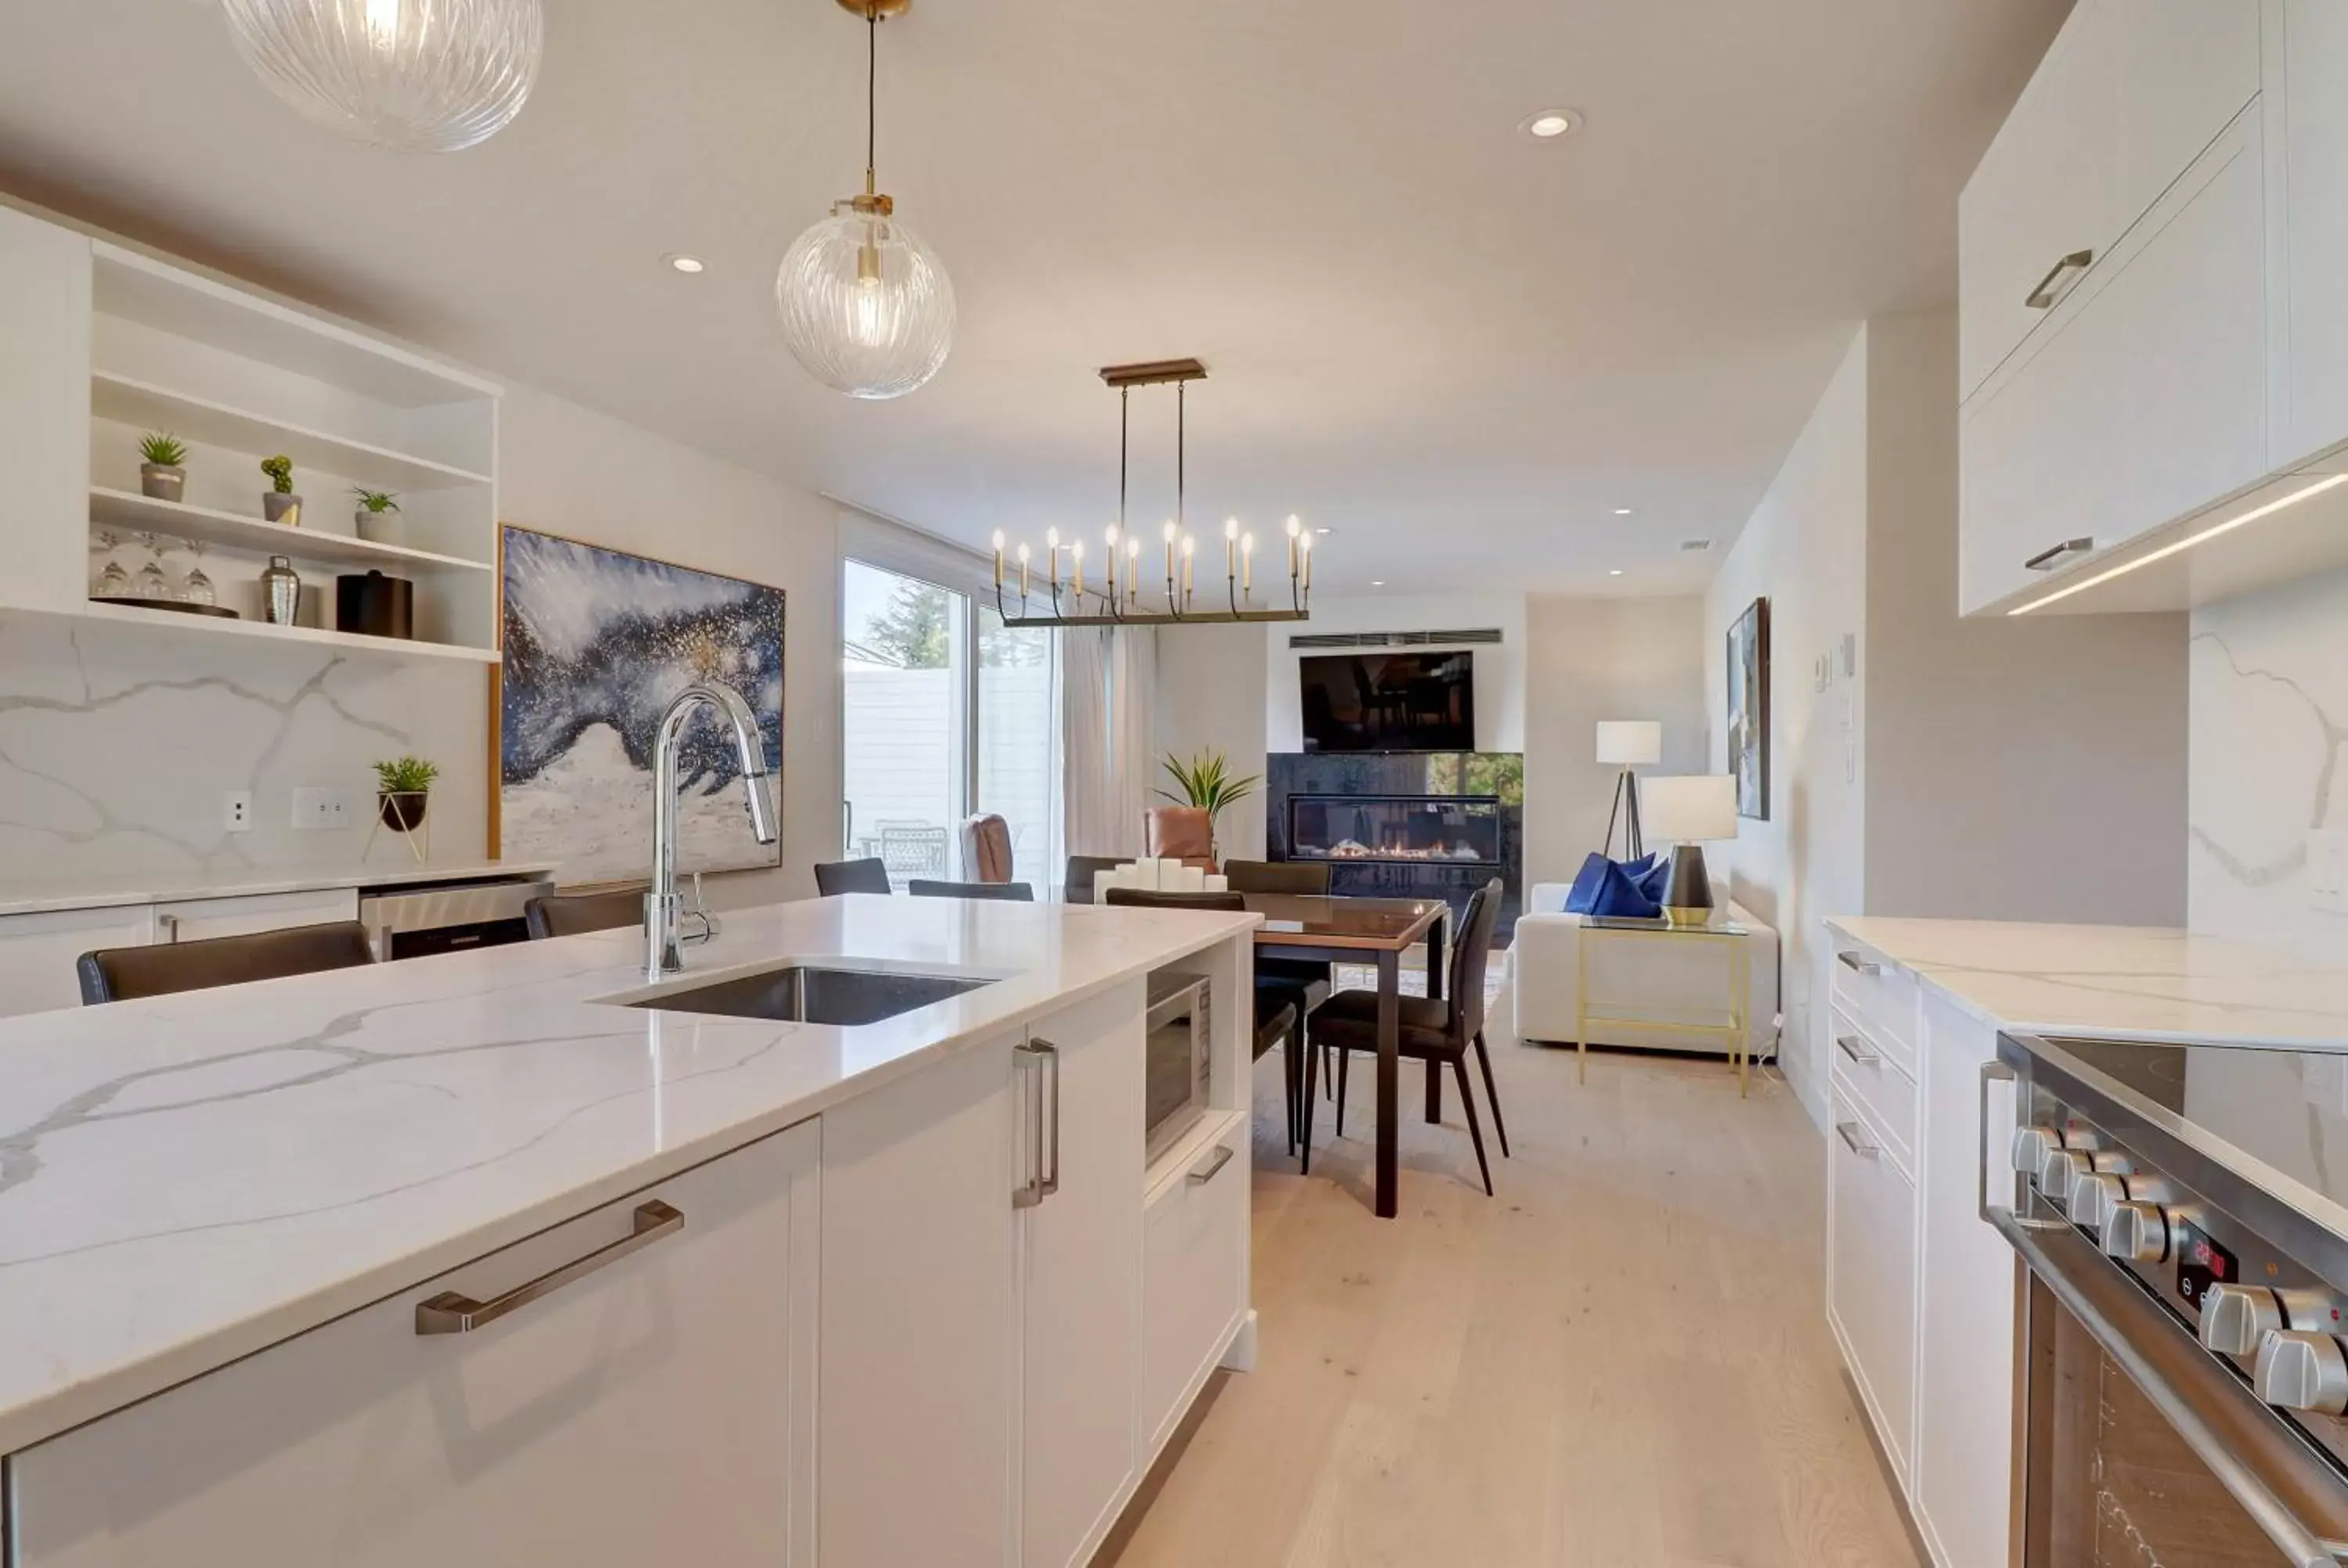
(1207, 782)
(403, 789)
(162, 476)
(375, 512)
(281, 505)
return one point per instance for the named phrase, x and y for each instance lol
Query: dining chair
(1439, 1033)
(1078, 885)
(127, 974)
(576, 913)
(1277, 1015)
(913, 848)
(833, 877)
(1308, 981)
(986, 848)
(1001, 892)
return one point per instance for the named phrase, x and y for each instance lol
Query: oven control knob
(2092, 1198)
(2136, 1231)
(2062, 1166)
(2301, 1372)
(2031, 1147)
(2235, 1317)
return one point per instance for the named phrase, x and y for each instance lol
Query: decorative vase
(280, 508)
(280, 591)
(402, 810)
(376, 527)
(157, 482)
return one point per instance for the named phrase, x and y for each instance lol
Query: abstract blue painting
(597, 643)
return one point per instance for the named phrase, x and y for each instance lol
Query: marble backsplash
(118, 748)
(2269, 722)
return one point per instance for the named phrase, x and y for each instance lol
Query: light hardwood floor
(1621, 1361)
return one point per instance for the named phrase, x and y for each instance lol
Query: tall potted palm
(1207, 782)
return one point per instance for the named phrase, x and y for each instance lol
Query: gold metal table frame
(1736, 1031)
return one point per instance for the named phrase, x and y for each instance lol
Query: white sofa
(1540, 998)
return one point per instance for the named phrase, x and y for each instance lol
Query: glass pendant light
(865, 307)
(418, 75)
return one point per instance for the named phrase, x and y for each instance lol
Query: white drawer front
(198, 920)
(1871, 1272)
(1867, 986)
(1194, 1278)
(1864, 1068)
(659, 1408)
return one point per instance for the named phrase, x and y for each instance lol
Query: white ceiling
(1456, 346)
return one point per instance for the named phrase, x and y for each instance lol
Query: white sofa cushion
(1654, 977)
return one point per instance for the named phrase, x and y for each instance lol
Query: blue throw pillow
(1653, 879)
(1606, 888)
(1583, 894)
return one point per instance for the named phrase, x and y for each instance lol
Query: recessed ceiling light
(1377, 583)
(1624, 511)
(1321, 530)
(1549, 124)
(1616, 573)
(683, 263)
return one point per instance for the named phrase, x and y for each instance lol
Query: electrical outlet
(2327, 870)
(320, 809)
(236, 813)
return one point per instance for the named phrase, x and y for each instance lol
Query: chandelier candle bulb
(1189, 548)
(1293, 530)
(998, 560)
(1076, 570)
(1023, 571)
(1304, 554)
(1133, 569)
(1230, 547)
(1247, 563)
(1052, 559)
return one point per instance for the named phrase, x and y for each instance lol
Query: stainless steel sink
(810, 993)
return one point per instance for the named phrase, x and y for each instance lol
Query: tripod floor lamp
(1628, 743)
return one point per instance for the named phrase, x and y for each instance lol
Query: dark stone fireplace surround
(1414, 852)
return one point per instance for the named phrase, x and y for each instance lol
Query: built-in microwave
(1179, 1054)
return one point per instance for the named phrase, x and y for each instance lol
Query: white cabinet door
(195, 919)
(1963, 1486)
(44, 326)
(658, 1410)
(38, 952)
(1080, 1285)
(919, 1347)
(2309, 112)
(2185, 69)
(1194, 1274)
(1871, 1273)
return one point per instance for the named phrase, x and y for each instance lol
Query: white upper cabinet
(2307, 114)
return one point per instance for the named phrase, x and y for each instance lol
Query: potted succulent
(374, 515)
(163, 476)
(403, 789)
(1208, 783)
(281, 505)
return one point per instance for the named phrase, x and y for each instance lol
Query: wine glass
(150, 582)
(110, 582)
(198, 588)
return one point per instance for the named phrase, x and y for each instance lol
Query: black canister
(374, 604)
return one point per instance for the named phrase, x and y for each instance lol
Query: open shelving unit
(108, 343)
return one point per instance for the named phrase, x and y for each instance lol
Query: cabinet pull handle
(451, 1313)
(1851, 961)
(1850, 1048)
(1044, 1168)
(2053, 556)
(2043, 296)
(1848, 1131)
(1211, 1167)
(167, 928)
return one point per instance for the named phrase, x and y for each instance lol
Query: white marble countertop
(39, 897)
(2131, 982)
(189, 1179)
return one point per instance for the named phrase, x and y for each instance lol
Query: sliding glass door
(946, 712)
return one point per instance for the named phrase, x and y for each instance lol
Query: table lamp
(1685, 811)
(1626, 743)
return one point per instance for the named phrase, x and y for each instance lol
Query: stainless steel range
(2183, 1213)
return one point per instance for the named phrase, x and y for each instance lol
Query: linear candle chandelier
(1118, 597)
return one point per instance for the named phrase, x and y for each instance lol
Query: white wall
(2270, 720)
(1210, 695)
(1804, 550)
(1592, 658)
(1500, 669)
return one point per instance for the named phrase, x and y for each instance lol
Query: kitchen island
(902, 1291)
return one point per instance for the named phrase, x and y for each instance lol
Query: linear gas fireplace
(1455, 830)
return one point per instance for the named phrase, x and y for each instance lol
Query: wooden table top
(1303, 920)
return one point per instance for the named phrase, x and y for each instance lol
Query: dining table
(1378, 931)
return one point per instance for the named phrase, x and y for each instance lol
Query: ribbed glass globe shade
(420, 75)
(866, 306)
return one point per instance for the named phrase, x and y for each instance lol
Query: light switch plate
(2327, 870)
(320, 809)
(236, 812)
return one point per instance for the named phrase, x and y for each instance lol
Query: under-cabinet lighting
(2186, 543)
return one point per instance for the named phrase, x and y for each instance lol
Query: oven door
(2141, 1448)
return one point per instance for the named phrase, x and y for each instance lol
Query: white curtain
(1110, 681)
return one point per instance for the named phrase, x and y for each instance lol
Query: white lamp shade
(1625, 742)
(1688, 809)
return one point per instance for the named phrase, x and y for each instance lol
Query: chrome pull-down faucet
(663, 952)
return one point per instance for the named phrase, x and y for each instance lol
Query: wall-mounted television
(1370, 702)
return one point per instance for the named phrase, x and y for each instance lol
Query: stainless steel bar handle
(451, 1313)
(1849, 959)
(1035, 1188)
(2052, 555)
(1051, 1055)
(1850, 1047)
(1848, 1132)
(2304, 1546)
(1993, 1072)
(2044, 297)
(1211, 1167)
